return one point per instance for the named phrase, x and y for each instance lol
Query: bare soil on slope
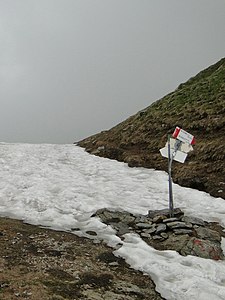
(38, 263)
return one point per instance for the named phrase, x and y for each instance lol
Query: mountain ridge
(197, 106)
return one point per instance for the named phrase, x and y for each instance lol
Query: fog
(72, 68)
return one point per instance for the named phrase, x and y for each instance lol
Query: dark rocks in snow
(121, 228)
(165, 213)
(182, 231)
(161, 228)
(108, 216)
(178, 224)
(143, 225)
(208, 234)
(203, 248)
(184, 234)
(194, 220)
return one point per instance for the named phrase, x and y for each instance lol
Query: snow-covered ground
(61, 186)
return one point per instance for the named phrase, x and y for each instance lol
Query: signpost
(176, 148)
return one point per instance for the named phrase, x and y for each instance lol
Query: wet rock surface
(184, 234)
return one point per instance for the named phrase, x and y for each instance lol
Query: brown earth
(197, 106)
(38, 263)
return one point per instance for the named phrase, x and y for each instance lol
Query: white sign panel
(184, 147)
(179, 155)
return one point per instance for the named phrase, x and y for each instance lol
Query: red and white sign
(183, 136)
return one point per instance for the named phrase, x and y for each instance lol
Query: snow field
(61, 186)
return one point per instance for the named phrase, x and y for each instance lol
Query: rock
(142, 219)
(182, 231)
(150, 230)
(145, 235)
(143, 225)
(164, 235)
(127, 218)
(193, 220)
(157, 237)
(209, 234)
(177, 224)
(175, 242)
(108, 216)
(91, 232)
(203, 248)
(160, 228)
(159, 219)
(121, 228)
(170, 220)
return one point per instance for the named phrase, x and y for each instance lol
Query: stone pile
(184, 234)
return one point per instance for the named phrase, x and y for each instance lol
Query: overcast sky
(72, 68)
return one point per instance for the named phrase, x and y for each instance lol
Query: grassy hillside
(197, 106)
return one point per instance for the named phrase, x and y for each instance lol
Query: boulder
(208, 234)
(203, 248)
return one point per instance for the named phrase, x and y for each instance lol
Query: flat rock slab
(194, 220)
(108, 216)
(161, 228)
(144, 225)
(165, 212)
(178, 224)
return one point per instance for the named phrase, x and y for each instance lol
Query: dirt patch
(37, 263)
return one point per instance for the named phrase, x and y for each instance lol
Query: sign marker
(176, 148)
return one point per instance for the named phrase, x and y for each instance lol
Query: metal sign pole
(176, 148)
(170, 159)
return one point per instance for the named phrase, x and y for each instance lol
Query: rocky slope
(197, 106)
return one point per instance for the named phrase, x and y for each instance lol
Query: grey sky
(71, 68)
